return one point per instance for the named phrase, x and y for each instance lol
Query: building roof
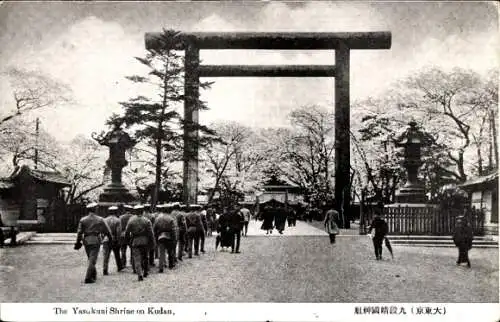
(50, 176)
(481, 180)
(46, 176)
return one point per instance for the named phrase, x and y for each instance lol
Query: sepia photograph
(248, 152)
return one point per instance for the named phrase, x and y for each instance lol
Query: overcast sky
(91, 46)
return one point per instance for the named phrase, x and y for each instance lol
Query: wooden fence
(73, 215)
(404, 220)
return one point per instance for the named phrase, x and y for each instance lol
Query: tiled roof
(47, 176)
(50, 176)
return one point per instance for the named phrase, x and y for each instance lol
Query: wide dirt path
(269, 269)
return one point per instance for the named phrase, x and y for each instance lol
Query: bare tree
(33, 90)
(310, 150)
(83, 163)
(218, 155)
(20, 144)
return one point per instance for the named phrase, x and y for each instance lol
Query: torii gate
(342, 43)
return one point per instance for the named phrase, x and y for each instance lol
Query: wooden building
(38, 195)
(483, 195)
(281, 191)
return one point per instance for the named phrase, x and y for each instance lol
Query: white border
(253, 312)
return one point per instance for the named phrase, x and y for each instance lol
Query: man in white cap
(165, 230)
(89, 231)
(150, 216)
(195, 230)
(202, 210)
(115, 226)
(127, 214)
(181, 226)
(139, 232)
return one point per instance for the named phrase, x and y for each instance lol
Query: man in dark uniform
(108, 246)
(223, 229)
(139, 232)
(203, 214)
(165, 230)
(181, 225)
(291, 216)
(194, 230)
(89, 231)
(235, 226)
(185, 212)
(123, 244)
(381, 229)
(280, 218)
(150, 216)
(463, 237)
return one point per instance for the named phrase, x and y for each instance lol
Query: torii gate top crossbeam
(276, 40)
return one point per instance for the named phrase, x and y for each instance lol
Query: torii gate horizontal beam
(274, 40)
(267, 70)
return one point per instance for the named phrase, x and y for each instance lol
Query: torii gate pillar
(342, 133)
(342, 43)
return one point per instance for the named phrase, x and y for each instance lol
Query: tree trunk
(156, 190)
(460, 164)
(493, 128)
(212, 193)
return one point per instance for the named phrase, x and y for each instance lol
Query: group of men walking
(169, 233)
(276, 216)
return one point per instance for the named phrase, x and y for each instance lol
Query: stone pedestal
(411, 194)
(114, 195)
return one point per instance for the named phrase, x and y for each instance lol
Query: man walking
(246, 219)
(165, 230)
(235, 227)
(223, 229)
(181, 225)
(123, 244)
(185, 212)
(139, 232)
(151, 217)
(381, 229)
(109, 246)
(210, 220)
(463, 237)
(330, 223)
(291, 217)
(194, 230)
(280, 218)
(204, 222)
(89, 231)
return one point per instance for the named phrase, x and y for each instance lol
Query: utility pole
(36, 141)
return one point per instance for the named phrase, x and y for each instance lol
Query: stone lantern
(118, 142)
(412, 140)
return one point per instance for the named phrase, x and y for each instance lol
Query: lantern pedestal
(113, 195)
(412, 194)
(115, 192)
